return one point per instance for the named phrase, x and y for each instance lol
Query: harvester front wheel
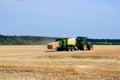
(90, 47)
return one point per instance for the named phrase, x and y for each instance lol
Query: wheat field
(35, 62)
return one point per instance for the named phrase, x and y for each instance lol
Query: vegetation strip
(38, 40)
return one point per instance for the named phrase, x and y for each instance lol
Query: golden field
(35, 62)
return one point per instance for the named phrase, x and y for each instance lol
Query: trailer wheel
(70, 49)
(59, 49)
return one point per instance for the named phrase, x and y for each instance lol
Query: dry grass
(37, 63)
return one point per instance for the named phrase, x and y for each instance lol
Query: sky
(61, 18)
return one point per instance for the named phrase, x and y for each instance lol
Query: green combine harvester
(70, 44)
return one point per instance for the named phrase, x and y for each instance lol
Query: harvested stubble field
(34, 62)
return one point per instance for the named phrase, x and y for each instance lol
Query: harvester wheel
(91, 47)
(84, 47)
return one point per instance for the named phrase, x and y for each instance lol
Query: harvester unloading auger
(70, 44)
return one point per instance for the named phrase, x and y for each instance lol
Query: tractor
(82, 43)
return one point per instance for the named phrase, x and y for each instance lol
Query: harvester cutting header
(70, 44)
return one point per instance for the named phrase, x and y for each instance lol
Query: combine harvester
(70, 44)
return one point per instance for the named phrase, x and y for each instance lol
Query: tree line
(25, 40)
(36, 40)
(105, 41)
